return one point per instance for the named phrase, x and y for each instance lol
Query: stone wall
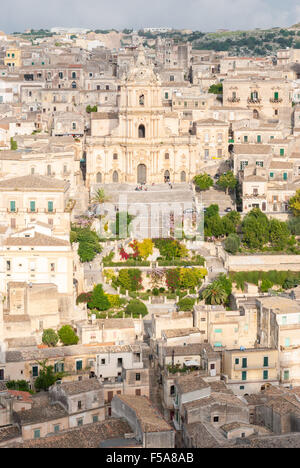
(262, 262)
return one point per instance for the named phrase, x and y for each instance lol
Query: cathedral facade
(142, 141)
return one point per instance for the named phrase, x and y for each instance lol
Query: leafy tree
(50, 337)
(203, 181)
(234, 217)
(279, 234)
(294, 203)
(214, 294)
(227, 181)
(228, 226)
(67, 335)
(232, 243)
(47, 377)
(213, 226)
(89, 245)
(136, 308)
(216, 88)
(191, 277)
(99, 299)
(145, 248)
(186, 304)
(212, 210)
(170, 248)
(255, 228)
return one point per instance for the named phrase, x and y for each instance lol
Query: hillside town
(149, 242)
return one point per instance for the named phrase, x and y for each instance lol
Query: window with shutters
(12, 206)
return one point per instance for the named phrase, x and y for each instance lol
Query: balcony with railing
(276, 100)
(233, 99)
(253, 100)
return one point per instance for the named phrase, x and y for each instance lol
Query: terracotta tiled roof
(32, 182)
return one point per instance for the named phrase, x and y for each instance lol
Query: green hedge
(275, 277)
(128, 263)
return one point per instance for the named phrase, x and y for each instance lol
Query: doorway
(141, 174)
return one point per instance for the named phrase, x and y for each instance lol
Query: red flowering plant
(135, 247)
(135, 255)
(123, 254)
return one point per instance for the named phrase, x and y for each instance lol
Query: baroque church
(142, 141)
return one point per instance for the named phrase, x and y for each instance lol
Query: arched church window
(142, 131)
(99, 178)
(183, 176)
(167, 156)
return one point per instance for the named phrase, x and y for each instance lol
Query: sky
(201, 15)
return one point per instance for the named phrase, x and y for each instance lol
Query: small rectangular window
(50, 206)
(12, 206)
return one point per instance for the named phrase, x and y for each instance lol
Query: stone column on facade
(105, 167)
(174, 165)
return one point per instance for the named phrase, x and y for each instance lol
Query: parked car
(227, 210)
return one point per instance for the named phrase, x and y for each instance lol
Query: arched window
(115, 177)
(183, 176)
(32, 171)
(255, 114)
(142, 100)
(142, 131)
(74, 75)
(99, 178)
(74, 85)
(167, 156)
(115, 156)
(167, 176)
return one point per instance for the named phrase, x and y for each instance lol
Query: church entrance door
(141, 174)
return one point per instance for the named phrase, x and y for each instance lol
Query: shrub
(266, 284)
(67, 335)
(114, 300)
(130, 279)
(19, 385)
(50, 337)
(155, 292)
(186, 303)
(84, 297)
(136, 308)
(232, 243)
(173, 278)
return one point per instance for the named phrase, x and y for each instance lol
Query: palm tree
(214, 294)
(99, 196)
